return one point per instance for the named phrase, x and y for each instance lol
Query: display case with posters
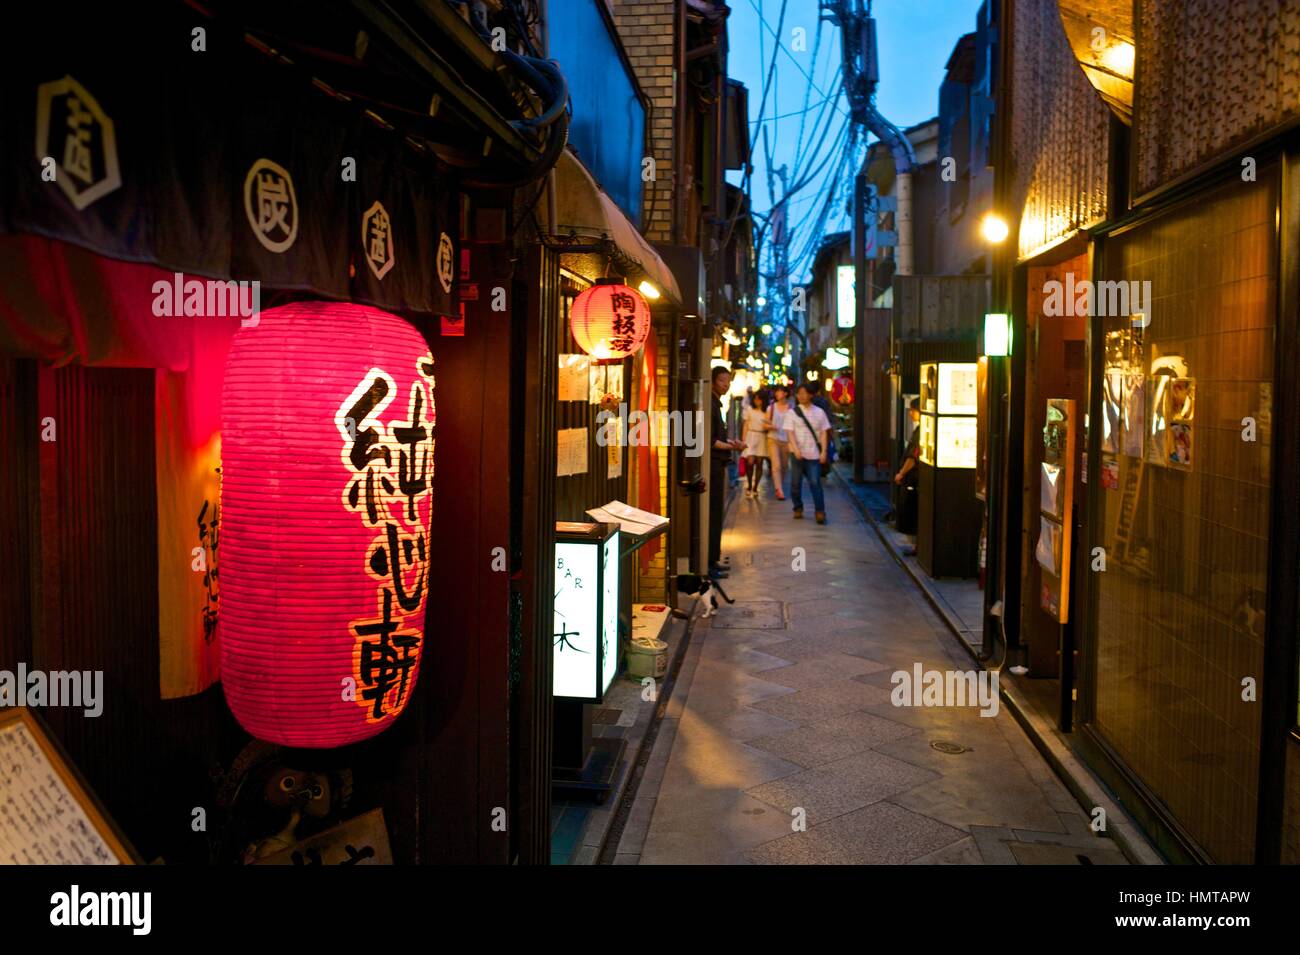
(949, 515)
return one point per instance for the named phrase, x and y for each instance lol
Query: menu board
(47, 817)
(956, 442)
(958, 388)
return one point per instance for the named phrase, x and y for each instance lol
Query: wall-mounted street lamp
(994, 228)
(997, 335)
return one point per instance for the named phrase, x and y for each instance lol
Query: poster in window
(1135, 404)
(1180, 405)
(929, 387)
(1112, 395)
(1050, 490)
(1048, 552)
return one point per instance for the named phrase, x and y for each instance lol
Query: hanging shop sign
(610, 322)
(303, 193)
(845, 297)
(586, 610)
(326, 491)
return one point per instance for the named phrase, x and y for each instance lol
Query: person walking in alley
(777, 438)
(809, 430)
(821, 401)
(755, 438)
(719, 460)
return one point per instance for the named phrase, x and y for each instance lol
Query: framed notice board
(48, 815)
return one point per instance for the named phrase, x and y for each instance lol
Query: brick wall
(648, 31)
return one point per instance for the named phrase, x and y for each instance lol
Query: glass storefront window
(1184, 517)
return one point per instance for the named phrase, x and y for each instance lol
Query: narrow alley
(783, 703)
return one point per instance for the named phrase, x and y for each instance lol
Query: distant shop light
(780, 349)
(765, 329)
(994, 228)
(836, 358)
(761, 301)
(997, 335)
(786, 361)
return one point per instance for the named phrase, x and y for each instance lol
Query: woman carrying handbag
(778, 438)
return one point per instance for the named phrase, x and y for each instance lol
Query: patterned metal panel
(1059, 131)
(1208, 80)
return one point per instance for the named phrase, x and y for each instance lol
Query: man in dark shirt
(719, 460)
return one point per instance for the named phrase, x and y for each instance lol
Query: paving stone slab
(879, 834)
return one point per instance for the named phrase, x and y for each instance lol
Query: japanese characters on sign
(73, 131)
(271, 205)
(389, 487)
(586, 614)
(377, 240)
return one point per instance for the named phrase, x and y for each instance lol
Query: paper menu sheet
(41, 822)
(631, 520)
(571, 452)
(573, 377)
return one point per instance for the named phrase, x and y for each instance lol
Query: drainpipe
(858, 32)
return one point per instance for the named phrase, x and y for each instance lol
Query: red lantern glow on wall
(610, 321)
(326, 496)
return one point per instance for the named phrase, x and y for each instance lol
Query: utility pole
(781, 252)
(861, 75)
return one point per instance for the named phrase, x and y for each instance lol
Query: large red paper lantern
(326, 495)
(610, 321)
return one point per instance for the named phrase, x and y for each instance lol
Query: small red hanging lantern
(610, 322)
(842, 390)
(326, 497)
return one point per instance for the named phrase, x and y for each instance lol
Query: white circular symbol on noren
(377, 239)
(445, 264)
(271, 205)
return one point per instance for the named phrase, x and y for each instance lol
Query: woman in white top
(778, 437)
(755, 435)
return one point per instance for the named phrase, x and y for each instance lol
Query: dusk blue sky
(915, 39)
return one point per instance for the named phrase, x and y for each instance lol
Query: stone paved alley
(783, 701)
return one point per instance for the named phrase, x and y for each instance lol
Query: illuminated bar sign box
(586, 610)
(846, 315)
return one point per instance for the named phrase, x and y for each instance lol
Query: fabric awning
(584, 209)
